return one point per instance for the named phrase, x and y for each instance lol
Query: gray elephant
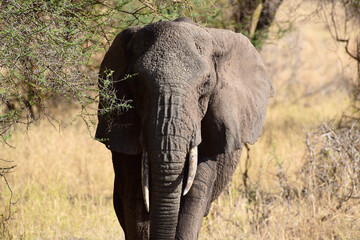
(198, 95)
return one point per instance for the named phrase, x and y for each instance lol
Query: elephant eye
(205, 86)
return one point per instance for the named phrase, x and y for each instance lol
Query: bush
(333, 165)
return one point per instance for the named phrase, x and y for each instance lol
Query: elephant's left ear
(118, 127)
(237, 109)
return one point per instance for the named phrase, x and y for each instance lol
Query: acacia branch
(3, 172)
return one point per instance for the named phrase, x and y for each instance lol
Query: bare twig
(3, 172)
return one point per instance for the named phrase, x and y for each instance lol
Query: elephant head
(194, 90)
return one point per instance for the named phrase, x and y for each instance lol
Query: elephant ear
(237, 108)
(118, 127)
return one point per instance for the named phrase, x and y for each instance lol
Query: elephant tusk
(145, 179)
(193, 160)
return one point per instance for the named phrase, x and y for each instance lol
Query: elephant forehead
(173, 51)
(168, 33)
(171, 62)
(175, 63)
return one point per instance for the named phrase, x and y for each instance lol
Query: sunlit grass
(62, 185)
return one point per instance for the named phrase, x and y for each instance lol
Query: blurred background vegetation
(300, 181)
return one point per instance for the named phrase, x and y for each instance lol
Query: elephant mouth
(193, 161)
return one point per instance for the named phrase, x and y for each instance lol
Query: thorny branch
(334, 24)
(334, 161)
(3, 172)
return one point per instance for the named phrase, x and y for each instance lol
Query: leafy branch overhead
(48, 55)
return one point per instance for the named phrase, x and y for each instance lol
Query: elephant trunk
(168, 148)
(165, 193)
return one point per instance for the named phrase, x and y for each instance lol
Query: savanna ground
(62, 185)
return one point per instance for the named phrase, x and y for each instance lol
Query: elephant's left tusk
(145, 179)
(193, 160)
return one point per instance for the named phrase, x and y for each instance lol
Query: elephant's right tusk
(193, 161)
(145, 179)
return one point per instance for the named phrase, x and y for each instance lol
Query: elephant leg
(226, 166)
(213, 174)
(128, 200)
(118, 206)
(195, 203)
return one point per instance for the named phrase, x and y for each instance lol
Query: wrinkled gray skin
(193, 86)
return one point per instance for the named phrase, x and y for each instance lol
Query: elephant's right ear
(118, 127)
(237, 108)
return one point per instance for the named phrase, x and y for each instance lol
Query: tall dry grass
(62, 185)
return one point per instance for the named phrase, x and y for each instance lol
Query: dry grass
(62, 185)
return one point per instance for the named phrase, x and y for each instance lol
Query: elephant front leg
(226, 166)
(194, 205)
(128, 201)
(212, 176)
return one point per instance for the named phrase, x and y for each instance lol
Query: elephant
(196, 95)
